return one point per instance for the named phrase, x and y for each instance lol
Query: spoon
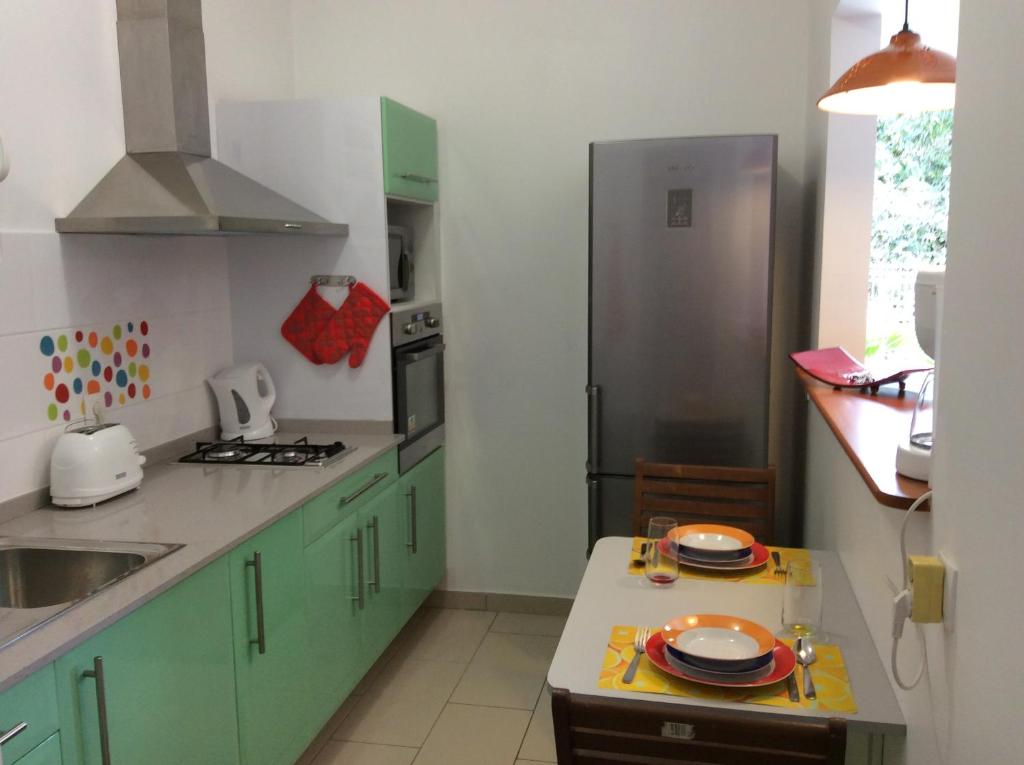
(805, 655)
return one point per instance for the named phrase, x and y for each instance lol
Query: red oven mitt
(351, 328)
(306, 322)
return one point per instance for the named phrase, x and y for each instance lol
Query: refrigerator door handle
(593, 512)
(593, 428)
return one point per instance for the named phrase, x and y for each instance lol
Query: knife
(794, 693)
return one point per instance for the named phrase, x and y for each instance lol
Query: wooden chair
(741, 497)
(594, 730)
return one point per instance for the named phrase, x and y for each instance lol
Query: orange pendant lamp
(905, 76)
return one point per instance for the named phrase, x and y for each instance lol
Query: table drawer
(32, 701)
(339, 501)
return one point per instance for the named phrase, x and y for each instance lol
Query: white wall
(964, 710)
(519, 90)
(61, 123)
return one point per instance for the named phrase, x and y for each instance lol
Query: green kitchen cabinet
(33, 701)
(410, 152)
(422, 501)
(47, 753)
(165, 675)
(384, 563)
(335, 601)
(276, 710)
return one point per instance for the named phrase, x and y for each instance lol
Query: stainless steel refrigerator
(681, 241)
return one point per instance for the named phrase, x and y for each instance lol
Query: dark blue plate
(720, 665)
(712, 556)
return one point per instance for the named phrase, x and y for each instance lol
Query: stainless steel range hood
(167, 183)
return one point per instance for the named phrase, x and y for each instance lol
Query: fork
(777, 560)
(643, 634)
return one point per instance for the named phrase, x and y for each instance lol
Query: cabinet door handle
(6, 736)
(416, 178)
(96, 673)
(377, 478)
(375, 525)
(593, 428)
(357, 538)
(412, 544)
(261, 630)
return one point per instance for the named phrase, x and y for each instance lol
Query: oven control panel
(416, 323)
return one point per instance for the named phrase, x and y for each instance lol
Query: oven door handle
(420, 355)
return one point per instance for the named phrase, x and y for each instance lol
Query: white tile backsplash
(52, 285)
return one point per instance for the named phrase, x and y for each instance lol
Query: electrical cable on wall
(902, 604)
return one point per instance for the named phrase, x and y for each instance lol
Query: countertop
(209, 509)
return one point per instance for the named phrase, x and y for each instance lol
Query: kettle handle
(263, 375)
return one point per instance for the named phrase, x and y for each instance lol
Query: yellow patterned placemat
(829, 672)
(761, 575)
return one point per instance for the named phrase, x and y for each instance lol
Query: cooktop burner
(300, 454)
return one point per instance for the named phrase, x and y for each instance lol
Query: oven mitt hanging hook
(306, 322)
(351, 328)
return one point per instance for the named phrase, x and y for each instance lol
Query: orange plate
(683, 624)
(744, 538)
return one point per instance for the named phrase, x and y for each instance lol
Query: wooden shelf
(868, 428)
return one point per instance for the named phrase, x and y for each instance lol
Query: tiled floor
(455, 688)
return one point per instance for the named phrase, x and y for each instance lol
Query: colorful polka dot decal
(112, 363)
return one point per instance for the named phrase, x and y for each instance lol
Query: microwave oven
(400, 263)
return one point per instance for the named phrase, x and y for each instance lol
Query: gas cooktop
(239, 452)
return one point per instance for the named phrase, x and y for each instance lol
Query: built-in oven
(417, 346)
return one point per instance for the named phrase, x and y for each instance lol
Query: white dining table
(609, 595)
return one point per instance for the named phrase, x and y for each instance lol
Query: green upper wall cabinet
(421, 497)
(410, 152)
(275, 706)
(167, 681)
(33, 701)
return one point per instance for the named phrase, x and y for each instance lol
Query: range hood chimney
(167, 183)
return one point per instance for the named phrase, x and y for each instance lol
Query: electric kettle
(245, 393)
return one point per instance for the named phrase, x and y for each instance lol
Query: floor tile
(445, 634)
(507, 671)
(467, 735)
(402, 704)
(352, 753)
(309, 756)
(529, 624)
(539, 743)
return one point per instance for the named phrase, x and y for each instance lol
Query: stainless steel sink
(41, 578)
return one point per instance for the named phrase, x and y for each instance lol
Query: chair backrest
(741, 497)
(592, 730)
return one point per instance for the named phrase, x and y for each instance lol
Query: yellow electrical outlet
(926, 584)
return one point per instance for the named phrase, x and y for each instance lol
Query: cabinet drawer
(32, 701)
(410, 152)
(47, 753)
(339, 501)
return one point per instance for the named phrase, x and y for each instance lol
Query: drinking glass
(801, 599)
(660, 569)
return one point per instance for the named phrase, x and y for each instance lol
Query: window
(909, 217)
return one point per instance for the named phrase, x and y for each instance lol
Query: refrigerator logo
(680, 208)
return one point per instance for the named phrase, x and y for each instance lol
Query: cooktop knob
(433, 322)
(410, 329)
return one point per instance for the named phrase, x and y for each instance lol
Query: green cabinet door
(33, 701)
(335, 601)
(421, 496)
(410, 152)
(167, 681)
(275, 705)
(47, 753)
(384, 564)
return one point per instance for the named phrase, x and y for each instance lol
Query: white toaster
(94, 463)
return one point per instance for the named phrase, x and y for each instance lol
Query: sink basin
(36, 577)
(42, 578)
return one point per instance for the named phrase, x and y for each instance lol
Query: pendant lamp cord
(906, 15)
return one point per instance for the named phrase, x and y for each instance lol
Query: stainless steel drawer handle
(416, 178)
(377, 478)
(294, 226)
(96, 673)
(436, 350)
(261, 630)
(412, 544)
(375, 526)
(357, 538)
(6, 736)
